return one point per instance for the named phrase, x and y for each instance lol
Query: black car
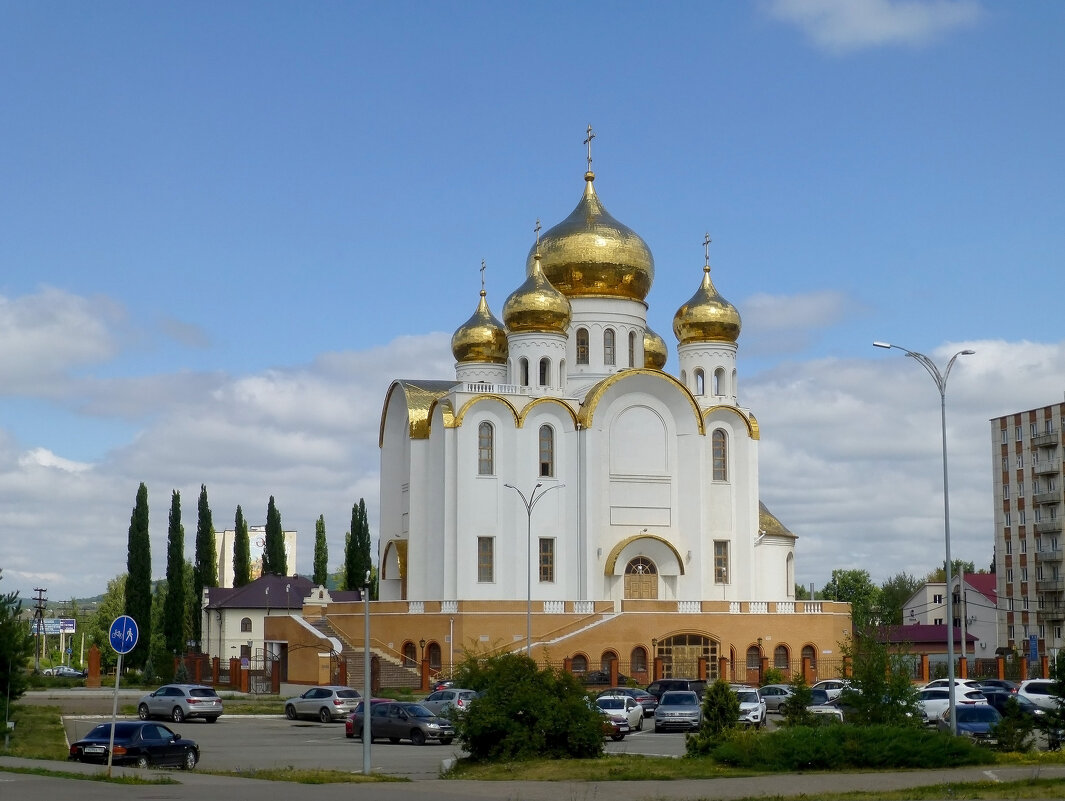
(998, 684)
(139, 743)
(656, 688)
(999, 698)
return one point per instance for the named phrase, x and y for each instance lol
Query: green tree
(138, 584)
(881, 690)
(111, 606)
(321, 553)
(721, 712)
(274, 560)
(801, 593)
(241, 551)
(205, 570)
(357, 560)
(893, 595)
(795, 709)
(957, 568)
(174, 608)
(16, 648)
(856, 588)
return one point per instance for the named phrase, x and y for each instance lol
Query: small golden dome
(590, 254)
(536, 305)
(655, 351)
(707, 317)
(482, 338)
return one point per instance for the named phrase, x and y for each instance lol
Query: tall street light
(529, 503)
(941, 384)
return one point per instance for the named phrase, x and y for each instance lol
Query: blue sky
(226, 227)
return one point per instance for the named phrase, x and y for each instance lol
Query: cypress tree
(274, 561)
(352, 580)
(174, 607)
(241, 551)
(137, 600)
(360, 536)
(205, 569)
(321, 553)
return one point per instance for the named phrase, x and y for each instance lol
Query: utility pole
(38, 623)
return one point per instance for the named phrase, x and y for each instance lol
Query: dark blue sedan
(139, 743)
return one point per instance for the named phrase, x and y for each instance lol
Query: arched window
(606, 659)
(780, 658)
(684, 377)
(719, 382)
(245, 624)
(754, 658)
(545, 372)
(432, 650)
(720, 455)
(638, 660)
(582, 346)
(608, 346)
(632, 348)
(579, 663)
(562, 373)
(485, 450)
(700, 383)
(547, 451)
(523, 369)
(410, 654)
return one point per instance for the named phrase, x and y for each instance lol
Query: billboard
(53, 626)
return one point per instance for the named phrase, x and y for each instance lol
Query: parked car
(657, 688)
(1040, 692)
(67, 672)
(349, 721)
(974, 722)
(972, 684)
(180, 702)
(456, 698)
(752, 707)
(642, 697)
(1000, 698)
(833, 687)
(775, 695)
(623, 710)
(328, 703)
(678, 710)
(933, 702)
(821, 704)
(142, 744)
(396, 720)
(442, 684)
(595, 677)
(998, 684)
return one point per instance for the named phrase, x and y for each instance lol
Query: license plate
(94, 749)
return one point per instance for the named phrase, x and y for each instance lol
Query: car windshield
(747, 697)
(611, 703)
(418, 711)
(977, 714)
(678, 699)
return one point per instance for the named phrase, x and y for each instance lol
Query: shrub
(721, 712)
(1014, 730)
(794, 709)
(773, 676)
(525, 712)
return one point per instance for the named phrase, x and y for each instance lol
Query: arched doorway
(680, 655)
(641, 579)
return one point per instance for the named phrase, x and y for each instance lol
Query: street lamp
(529, 503)
(941, 385)
(367, 690)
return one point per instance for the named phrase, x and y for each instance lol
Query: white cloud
(781, 324)
(846, 25)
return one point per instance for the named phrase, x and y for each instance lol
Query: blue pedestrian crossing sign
(124, 634)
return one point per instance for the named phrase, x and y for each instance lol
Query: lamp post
(529, 503)
(941, 385)
(367, 692)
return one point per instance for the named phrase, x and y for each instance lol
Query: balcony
(1050, 496)
(1048, 526)
(1046, 466)
(1049, 585)
(1048, 554)
(1046, 440)
(1053, 612)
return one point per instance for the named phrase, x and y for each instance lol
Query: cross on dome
(588, 142)
(706, 251)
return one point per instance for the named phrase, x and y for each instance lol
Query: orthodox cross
(706, 250)
(588, 142)
(537, 229)
(482, 276)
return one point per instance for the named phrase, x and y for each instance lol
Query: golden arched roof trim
(419, 397)
(749, 420)
(401, 556)
(447, 413)
(480, 398)
(595, 394)
(538, 402)
(615, 552)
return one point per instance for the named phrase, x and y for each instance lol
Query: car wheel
(142, 712)
(446, 741)
(177, 714)
(324, 715)
(213, 719)
(393, 740)
(417, 736)
(639, 724)
(141, 762)
(190, 760)
(617, 738)
(290, 712)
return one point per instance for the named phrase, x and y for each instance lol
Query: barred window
(582, 346)
(720, 455)
(485, 450)
(485, 559)
(547, 451)
(547, 559)
(720, 562)
(608, 346)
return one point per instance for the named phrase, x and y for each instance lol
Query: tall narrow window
(485, 450)
(720, 562)
(700, 383)
(547, 451)
(485, 560)
(720, 455)
(547, 559)
(582, 346)
(632, 348)
(524, 369)
(545, 372)
(720, 387)
(608, 346)
(638, 660)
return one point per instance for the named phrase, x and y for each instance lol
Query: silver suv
(181, 701)
(333, 702)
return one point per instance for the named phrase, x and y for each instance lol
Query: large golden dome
(707, 317)
(590, 254)
(536, 305)
(482, 338)
(655, 351)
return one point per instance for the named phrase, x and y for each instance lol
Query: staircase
(391, 672)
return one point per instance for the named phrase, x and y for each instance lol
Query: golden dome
(482, 338)
(536, 305)
(590, 254)
(655, 351)
(707, 317)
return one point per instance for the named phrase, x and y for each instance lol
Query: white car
(935, 701)
(942, 684)
(752, 707)
(832, 687)
(622, 710)
(1040, 693)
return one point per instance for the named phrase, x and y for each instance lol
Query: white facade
(646, 484)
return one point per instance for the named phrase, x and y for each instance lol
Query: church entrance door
(641, 579)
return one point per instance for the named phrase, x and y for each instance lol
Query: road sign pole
(114, 716)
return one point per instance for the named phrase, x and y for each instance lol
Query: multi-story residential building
(1026, 464)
